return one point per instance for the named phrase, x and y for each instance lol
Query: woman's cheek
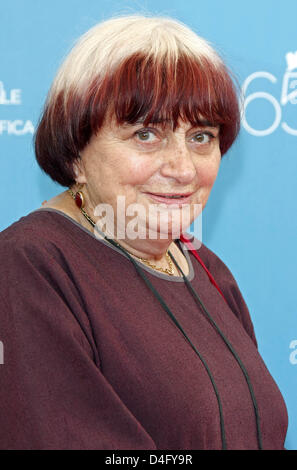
(141, 171)
(207, 174)
(207, 177)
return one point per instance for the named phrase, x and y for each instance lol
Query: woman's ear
(78, 169)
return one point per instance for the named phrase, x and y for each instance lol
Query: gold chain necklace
(169, 270)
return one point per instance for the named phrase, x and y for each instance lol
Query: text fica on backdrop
(15, 127)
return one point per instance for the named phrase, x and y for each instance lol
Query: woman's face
(167, 173)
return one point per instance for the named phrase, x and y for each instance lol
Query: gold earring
(79, 199)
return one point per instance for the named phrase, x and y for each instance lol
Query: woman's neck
(152, 250)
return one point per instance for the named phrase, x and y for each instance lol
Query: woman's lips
(171, 198)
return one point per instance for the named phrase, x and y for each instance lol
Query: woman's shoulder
(211, 260)
(40, 235)
(214, 263)
(229, 287)
(34, 228)
(47, 223)
(218, 269)
(39, 251)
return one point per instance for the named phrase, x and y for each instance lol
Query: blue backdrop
(250, 220)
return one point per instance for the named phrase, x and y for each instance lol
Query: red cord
(194, 251)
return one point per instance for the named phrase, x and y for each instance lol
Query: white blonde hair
(106, 45)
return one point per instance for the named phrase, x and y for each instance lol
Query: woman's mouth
(171, 198)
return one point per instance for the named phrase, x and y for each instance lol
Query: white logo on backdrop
(288, 95)
(17, 127)
(12, 97)
(293, 355)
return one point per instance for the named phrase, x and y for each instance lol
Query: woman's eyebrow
(139, 122)
(154, 121)
(168, 122)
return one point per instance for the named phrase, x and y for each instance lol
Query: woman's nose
(178, 164)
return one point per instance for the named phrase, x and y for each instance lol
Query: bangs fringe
(159, 91)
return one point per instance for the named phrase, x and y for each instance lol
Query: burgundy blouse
(92, 360)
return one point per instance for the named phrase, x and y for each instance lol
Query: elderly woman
(118, 333)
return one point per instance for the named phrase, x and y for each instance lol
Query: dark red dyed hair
(193, 90)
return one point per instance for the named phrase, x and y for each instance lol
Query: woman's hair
(133, 68)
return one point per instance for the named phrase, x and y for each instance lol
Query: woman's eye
(146, 136)
(202, 138)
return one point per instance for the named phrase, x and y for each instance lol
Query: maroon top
(92, 361)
